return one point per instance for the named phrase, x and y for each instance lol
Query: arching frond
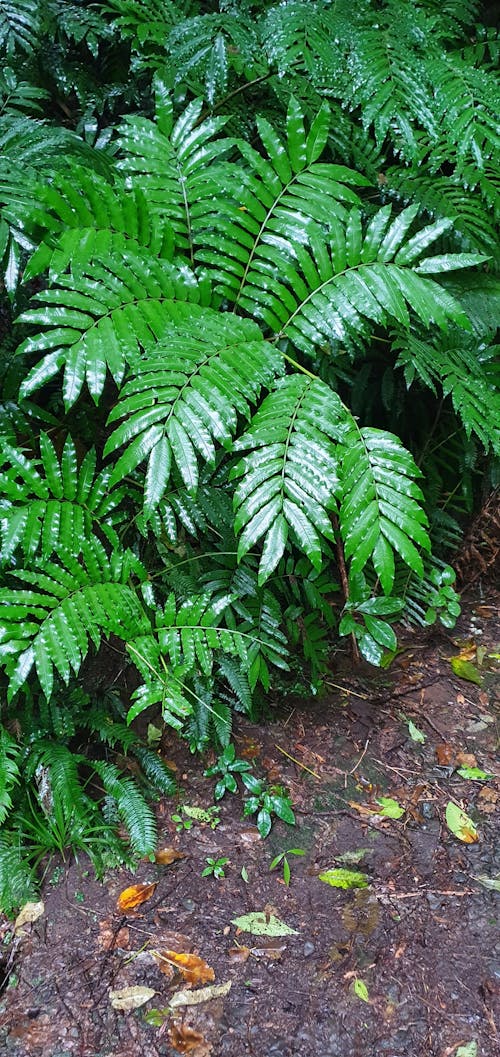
(98, 316)
(54, 503)
(175, 164)
(186, 396)
(48, 621)
(290, 478)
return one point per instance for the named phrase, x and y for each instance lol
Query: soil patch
(407, 966)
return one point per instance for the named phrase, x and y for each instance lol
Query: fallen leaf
(272, 949)
(167, 856)
(127, 998)
(132, 897)
(204, 994)
(193, 968)
(460, 824)
(492, 883)
(445, 754)
(156, 1017)
(474, 773)
(339, 878)
(465, 670)
(353, 856)
(184, 1039)
(466, 759)
(469, 1050)
(29, 913)
(112, 939)
(390, 807)
(262, 924)
(416, 734)
(239, 954)
(360, 990)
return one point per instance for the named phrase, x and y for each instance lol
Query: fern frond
(133, 811)
(97, 318)
(380, 509)
(258, 221)
(175, 165)
(20, 26)
(187, 395)
(468, 102)
(290, 478)
(156, 771)
(54, 503)
(205, 48)
(17, 880)
(464, 371)
(48, 623)
(10, 773)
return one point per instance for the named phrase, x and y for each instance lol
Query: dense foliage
(249, 372)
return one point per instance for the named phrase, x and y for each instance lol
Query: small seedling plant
(282, 859)
(215, 868)
(227, 766)
(266, 801)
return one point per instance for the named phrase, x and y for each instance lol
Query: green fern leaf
(60, 506)
(99, 318)
(48, 623)
(132, 808)
(380, 511)
(10, 773)
(290, 478)
(186, 396)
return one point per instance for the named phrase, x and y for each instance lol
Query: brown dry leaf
(445, 754)
(250, 835)
(133, 896)
(249, 748)
(467, 651)
(487, 800)
(164, 966)
(272, 949)
(193, 968)
(168, 855)
(110, 939)
(466, 759)
(239, 954)
(184, 1039)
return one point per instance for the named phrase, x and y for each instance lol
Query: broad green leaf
(415, 733)
(360, 990)
(389, 807)
(341, 878)
(492, 883)
(460, 824)
(474, 773)
(465, 670)
(468, 1050)
(260, 923)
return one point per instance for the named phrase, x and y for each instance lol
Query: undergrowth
(249, 369)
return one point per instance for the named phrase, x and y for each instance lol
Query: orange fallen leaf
(132, 897)
(445, 754)
(184, 1039)
(192, 967)
(168, 855)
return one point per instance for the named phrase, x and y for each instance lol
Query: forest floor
(403, 967)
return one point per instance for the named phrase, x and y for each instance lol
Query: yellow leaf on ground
(29, 913)
(168, 855)
(193, 968)
(205, 994)
(132, 897)
(127, 998)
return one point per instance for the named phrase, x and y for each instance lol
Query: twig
(299, 764)
(345, 690)
(356, 765)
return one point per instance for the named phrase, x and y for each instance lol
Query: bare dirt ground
(408, 966)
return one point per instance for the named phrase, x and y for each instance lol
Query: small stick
(299, 764)
(356, 765)
(345, 689)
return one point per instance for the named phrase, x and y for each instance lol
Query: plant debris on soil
(373, 934)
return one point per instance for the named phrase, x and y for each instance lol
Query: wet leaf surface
(339, 878)
(460, 824)
(262, 924)
(134, 896)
